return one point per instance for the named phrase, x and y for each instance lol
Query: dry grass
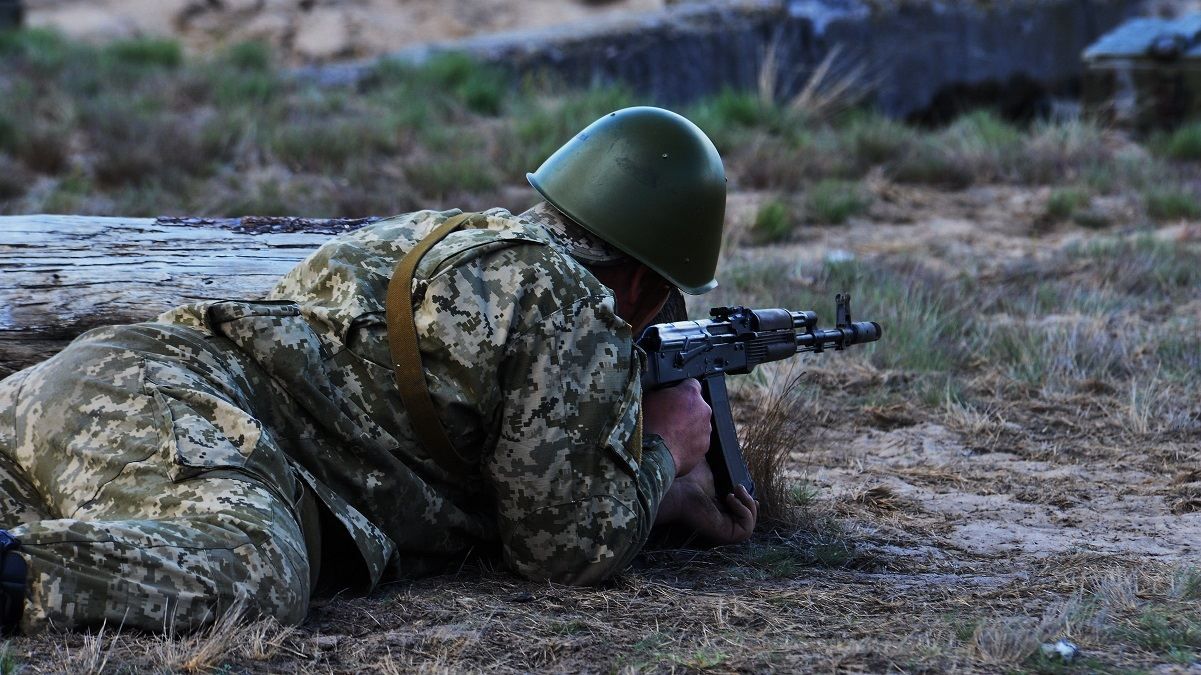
(780, 416)
(1035, 386)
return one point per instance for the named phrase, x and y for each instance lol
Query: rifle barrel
(840, 337)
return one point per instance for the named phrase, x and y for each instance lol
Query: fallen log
(63, 275)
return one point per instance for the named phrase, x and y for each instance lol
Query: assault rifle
(735, 341)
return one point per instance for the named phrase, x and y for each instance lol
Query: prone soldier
(432, 386)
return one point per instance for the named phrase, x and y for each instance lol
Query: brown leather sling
(406, 354)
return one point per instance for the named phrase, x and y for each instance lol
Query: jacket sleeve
(576, 492)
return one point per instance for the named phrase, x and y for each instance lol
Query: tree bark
(63, 275)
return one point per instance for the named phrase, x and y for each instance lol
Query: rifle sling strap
(406, 354)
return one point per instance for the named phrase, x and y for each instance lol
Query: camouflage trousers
(142, 493)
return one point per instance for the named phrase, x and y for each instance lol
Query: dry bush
(835, 85)
(780, 418)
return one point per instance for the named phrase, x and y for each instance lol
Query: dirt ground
(1047, 492)
(314, 30)
(929, 534)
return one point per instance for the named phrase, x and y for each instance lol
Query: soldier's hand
(692, 502)
(680, 415)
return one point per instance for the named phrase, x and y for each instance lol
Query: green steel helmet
(648, 182)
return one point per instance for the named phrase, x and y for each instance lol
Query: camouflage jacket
(534, 376)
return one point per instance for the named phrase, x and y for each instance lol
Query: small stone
(1061, 648)
(322, 34)
(326, 642)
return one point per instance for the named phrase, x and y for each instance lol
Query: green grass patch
(319, 144)
(438, 178)
(41, 50)
(543, 123)
(249, 56)
(874, 139)
(1165, 631)
(1140, 266)
(1171, 203)
(1065, 202)
(9, 664)
(481, 88)
(773, 222)
(1187, 584)
(925, 162)
(1182, 144)
(145, 52)
(833, 202)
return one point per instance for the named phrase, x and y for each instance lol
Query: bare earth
(937, 536)
(320, 30)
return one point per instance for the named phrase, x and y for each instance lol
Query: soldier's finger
(751, 503)
(740, 511)
(752, 507)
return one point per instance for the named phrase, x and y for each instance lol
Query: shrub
(773, 222)
(834, 201)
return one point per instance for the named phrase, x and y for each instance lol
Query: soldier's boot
(13, 572)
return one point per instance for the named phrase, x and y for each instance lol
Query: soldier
(220, 457)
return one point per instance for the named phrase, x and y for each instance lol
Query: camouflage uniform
(161, 473)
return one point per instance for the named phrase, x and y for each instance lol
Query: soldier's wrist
(653, 444)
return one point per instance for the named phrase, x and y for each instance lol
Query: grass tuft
(146, 52)
(1065, 202)
(1183, 144)
(833, 202)
(481, 88)
(9, 665)
(1171, 203)
(773, 222)
(252, 56)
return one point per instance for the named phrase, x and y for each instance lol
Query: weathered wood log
(63, 275)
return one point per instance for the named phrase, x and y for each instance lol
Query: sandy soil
(314, 30)
(1022, 480)
(938, 537)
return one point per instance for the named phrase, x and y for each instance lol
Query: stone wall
(909, 52)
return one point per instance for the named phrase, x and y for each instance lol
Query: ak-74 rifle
(733, 342)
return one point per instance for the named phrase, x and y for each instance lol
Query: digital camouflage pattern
(162, 473)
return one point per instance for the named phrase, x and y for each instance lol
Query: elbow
(579, 544)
